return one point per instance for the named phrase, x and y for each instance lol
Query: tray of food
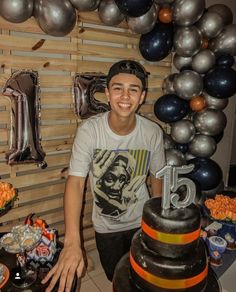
(4, 275)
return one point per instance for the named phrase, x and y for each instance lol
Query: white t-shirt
(117, 167)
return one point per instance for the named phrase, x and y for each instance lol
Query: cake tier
(171, 233)
(153, 272)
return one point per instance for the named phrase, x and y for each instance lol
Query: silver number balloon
(109, 13)
(16, 10)
(56, 18)
(172, 182)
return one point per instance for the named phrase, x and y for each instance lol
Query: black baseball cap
(130, 67)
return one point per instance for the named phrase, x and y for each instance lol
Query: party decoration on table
(23, 89)
(8, 195)
(133, 8)
(16, 10)
(217, 246)
(4, 275)
(20, 240)
(85, 88)
(109, 13)
(172, 182)
(43, 254)
(85, 5)
(56, 18)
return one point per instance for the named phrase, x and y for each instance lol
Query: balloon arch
(204, 42)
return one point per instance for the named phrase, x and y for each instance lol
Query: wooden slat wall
(90, 47)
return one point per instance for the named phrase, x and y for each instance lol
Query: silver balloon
(187, 12)
(216, 103)
(181, 62)
(225, 42)
(85, 5)
(188, 84)
(109, 13)
(16, 10)
(174, 157)
(55, 17)
(144, 23)
(210, 24)
(167, 84)
(202, 146)
(203, 61)
(169, 143)
(210, 121)
(183, 131)
(189, 156)
(187, 41)
(224, 11)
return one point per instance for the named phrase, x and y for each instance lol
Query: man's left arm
(156, 186)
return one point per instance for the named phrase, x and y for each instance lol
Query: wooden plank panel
(57, 144)
(58, 130)
(58, 114)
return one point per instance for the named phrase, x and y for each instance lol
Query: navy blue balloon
(220, 82)
(134, 8)
(206, 173)
(225, 60)
(170, 108)
(182, 147)
(157, 44)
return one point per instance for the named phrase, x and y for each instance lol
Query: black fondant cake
(167, 254)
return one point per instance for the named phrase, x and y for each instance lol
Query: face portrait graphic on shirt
(116, 185)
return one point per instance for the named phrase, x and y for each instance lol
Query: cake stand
(122, 280)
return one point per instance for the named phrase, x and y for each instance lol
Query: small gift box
(43, 254)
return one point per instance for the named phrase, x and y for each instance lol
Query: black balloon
(134, 8)
(218, 137)
(170, 108)
(225, 60)
(157, 44)
(220, 82)
(182, 147)
(206, 173)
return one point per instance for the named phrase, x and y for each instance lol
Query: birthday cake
(167, 253)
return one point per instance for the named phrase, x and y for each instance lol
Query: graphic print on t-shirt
(118, 174)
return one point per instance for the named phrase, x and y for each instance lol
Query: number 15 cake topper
(171, 184)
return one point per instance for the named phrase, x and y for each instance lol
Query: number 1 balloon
(23, 89)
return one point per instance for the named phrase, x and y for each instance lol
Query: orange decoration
(7, 193)
(205, 44)
(165, 15)
(197, 103)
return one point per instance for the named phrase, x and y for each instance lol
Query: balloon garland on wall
(204, 42)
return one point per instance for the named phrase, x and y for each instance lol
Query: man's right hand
(70, 262)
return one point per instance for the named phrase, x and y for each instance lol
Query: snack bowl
(10, 243)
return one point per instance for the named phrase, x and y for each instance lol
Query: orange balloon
(205, 44)
(197, 103)
(165, 15)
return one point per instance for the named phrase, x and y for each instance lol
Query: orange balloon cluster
(7, 193)
(165, 15)
(197, 103)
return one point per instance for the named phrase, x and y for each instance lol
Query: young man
(118, 149)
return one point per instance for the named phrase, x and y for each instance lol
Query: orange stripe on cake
(170, 238)
(167, 283)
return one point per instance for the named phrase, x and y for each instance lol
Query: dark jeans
(111, 247)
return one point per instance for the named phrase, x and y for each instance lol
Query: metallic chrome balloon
(16, 10)
(202, 146)
(210, 121)
(109, 13)
(183, 131)
(188, 84)
(187, 12)
(225, 42)
(189, 156)
(174, 157)
(85, 5)
(169, 143)
(167, 84)
(215, 103)
(144, 23)
(181, 62)
(55, 17)
(224, 11)
(210, 24)
(203, 61)
(187, 41)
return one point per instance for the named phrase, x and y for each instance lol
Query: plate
(6, 275)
